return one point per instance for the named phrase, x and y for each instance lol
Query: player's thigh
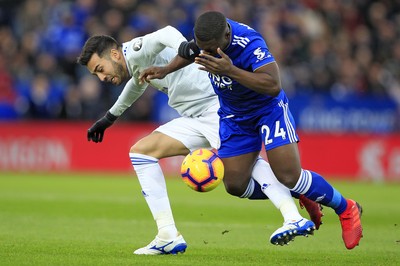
(285, 163)
(240, 147)
(208, 126)
(194, 133)
(180, 136)
(159, 145)
(238, 169)
(278, 131)
(238, 138)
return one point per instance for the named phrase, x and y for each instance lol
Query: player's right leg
(284, 158)
(144, 157)
(176, 137)
(315, 187)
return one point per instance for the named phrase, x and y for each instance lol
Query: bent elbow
(276, 89)
(272, 88)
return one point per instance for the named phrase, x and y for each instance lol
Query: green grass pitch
(99, 219)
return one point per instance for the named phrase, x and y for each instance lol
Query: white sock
(249, 189)
(304, 183)
(275, 191)
(154, 190)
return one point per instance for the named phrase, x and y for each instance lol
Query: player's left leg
(294, 224)
(254, 191)
(238, 172)
(208, 126)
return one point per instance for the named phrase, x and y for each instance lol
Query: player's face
(210, 47)
(108, 68)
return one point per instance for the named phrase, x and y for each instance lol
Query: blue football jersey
(248, 51)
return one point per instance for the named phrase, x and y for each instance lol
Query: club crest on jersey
(260, 54)
(137, 45)
(222, 82)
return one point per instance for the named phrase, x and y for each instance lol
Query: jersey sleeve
(168, 36)
(257, 55)
(131, 92)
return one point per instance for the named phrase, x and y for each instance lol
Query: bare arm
(264, 80)
(154, 72)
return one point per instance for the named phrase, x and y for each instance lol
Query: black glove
(188, 50)
(96, 131)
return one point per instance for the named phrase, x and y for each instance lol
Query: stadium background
(340, 65)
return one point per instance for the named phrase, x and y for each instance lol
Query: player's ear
(228, 31)
(115, 54)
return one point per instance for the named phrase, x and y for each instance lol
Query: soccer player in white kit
(191, 94)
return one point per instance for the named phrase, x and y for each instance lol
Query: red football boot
(350, 220)
(314, 210)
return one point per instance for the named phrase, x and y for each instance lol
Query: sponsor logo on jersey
(222, 82)
(137, 45)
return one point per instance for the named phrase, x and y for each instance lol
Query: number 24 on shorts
(279, 132)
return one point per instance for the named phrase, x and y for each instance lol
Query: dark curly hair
(96, 45)
(210, 26)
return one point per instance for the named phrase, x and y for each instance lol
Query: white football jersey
(189, 90)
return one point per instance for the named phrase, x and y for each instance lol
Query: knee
(138, 148)
(288, 182)
(234, 190)
(234, 186)
(289, 178)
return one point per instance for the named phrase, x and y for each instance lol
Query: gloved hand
(189, 50)
(96, 131)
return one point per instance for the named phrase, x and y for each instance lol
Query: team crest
(260, 54)
(137, 45)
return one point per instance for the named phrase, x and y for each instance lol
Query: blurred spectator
(338, 48)
(40, 98)
(7, 94)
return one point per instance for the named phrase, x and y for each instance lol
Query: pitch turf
(93, 219)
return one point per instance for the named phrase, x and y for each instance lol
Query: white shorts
(195, 132)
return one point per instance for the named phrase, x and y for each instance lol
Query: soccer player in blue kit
(254, 110)
(191, 94)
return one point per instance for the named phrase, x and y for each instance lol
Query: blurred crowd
(344, 48)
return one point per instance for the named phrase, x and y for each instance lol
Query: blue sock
(295, 194)
(257, 193)
(315, 187)
(253, 191)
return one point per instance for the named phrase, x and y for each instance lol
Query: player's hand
(96, 131)
(215, 65)
(153, 72)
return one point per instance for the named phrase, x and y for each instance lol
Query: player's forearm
(128, 96)
(176, 63)
(260, 82)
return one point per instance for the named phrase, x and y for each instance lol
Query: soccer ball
(202, 170)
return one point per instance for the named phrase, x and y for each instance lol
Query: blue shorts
(244, 134)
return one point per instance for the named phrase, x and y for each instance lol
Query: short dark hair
(96, 45)
(210, 26)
